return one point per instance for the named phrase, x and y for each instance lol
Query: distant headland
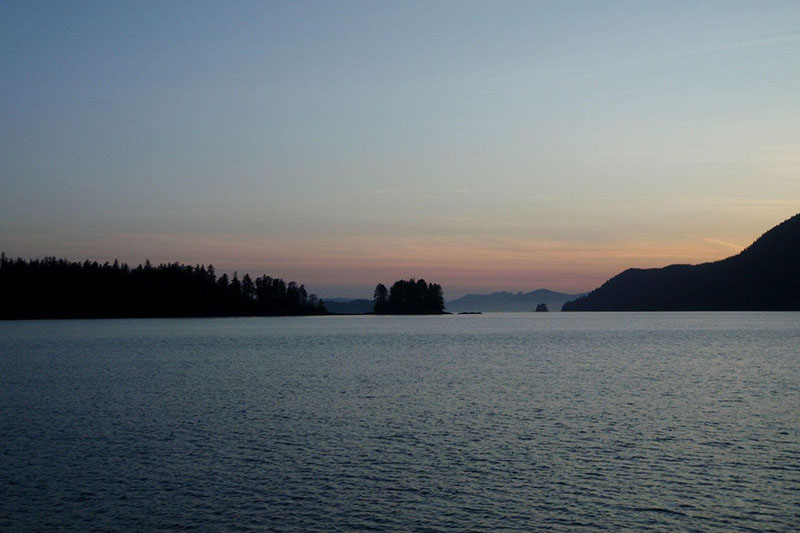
(57, 288)
(763, 277)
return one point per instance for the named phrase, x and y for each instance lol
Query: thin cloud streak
(749, 43)
(731, 245)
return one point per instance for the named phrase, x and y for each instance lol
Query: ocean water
(662, 421)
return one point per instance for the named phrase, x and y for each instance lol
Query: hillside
(509, 301)
(343, 306)
(764, 276)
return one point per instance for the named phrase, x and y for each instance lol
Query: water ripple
(500, 422)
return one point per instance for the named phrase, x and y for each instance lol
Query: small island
(409, 297)
(541, 308)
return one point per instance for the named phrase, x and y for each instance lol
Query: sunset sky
(480, 145)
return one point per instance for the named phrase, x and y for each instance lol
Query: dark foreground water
(508, 421)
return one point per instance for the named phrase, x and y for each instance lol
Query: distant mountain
(765, 276)
(343, 306)
(509, 301)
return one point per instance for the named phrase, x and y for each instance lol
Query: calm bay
(517, 421)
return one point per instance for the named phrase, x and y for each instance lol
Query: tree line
(58, 288)
(408, 297)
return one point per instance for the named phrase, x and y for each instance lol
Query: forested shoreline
(58, 288)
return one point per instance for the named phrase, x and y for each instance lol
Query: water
(671, 421)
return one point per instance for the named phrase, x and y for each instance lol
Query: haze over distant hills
(497, 301)
(348, 306)
(509, 301)
(764, 276)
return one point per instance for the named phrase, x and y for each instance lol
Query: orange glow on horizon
(459, 264)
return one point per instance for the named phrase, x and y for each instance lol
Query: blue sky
(481, 145)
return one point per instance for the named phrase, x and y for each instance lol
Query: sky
(480, 145)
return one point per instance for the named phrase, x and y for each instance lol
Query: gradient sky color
(481, 145)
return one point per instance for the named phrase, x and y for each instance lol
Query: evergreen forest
(58, 288)
(409, 297)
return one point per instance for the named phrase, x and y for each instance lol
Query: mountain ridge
(505, 301)
(764, 276)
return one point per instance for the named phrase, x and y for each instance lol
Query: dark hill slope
(348, 307)
(764, 276)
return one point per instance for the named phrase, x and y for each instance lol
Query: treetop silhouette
(409, 297)
(57, 288)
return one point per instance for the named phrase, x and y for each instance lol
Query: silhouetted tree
(380, 300)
